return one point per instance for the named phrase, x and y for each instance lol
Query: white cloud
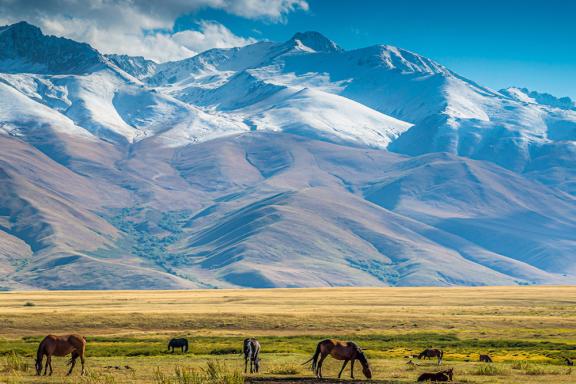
(142, 27)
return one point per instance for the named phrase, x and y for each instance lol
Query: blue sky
(496, 43)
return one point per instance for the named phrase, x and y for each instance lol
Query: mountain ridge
(284, 164)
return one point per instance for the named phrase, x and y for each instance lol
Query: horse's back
(425, 377)
(179, 342)
(251, 345)
(63, 345)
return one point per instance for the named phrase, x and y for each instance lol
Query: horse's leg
(82, 361)
(319, 366)
(352, 369)
(245, 364)
(343, 366)
(72, 363)
(46, 366)
(50, 365)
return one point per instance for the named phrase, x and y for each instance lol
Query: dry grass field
(527, 331)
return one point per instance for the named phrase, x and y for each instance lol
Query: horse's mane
(362, 357)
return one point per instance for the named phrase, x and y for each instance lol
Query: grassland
(527, 331)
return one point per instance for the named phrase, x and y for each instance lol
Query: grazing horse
(340, 350)
(437, 376)
(60, 346)
(569, 362)
(178, 343)
(430, 353)
(251, 349)
(485, 359)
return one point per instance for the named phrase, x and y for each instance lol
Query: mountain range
(292, 164)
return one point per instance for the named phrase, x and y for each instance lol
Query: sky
(501, 43)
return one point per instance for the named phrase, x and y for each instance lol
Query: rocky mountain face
(290, 164)
(23, 48)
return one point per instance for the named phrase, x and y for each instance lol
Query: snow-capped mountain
(275, 164)
(532, 97)
(23, 48)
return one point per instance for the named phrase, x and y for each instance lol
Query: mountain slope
(285, 164)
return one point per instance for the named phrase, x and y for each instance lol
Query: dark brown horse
(430, 353)
(569, 362)
(437, 376)
(178, 343)
(485, 359)
(340, 350)
(251, 349)
(60, 346)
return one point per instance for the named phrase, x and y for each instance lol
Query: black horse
(485, 359)
(430, 353)
(251, 349)
(178, 343)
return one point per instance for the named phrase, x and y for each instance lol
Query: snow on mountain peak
(399, 59)
(533, 97)
(137, 66)
(315, 41)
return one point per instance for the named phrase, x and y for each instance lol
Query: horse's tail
(185, 345)
(314, 358)
(169, 344)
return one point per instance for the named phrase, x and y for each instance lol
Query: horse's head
(365, 366)
(38, 366)
(367, 372)
(450, 373)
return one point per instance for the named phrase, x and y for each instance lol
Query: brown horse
(340, 350)
(437, 376)
(430, 353)
(485, 359)
(60, 346)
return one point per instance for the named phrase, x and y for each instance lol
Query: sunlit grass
(527, 331)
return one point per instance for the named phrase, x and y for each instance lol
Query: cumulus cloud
(143, 27)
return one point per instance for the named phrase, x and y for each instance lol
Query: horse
(251, 349)
(430, 353)
(60, 346)
(178, 343)
(340, 350)
(485, 359)
(437, 376)
(569, 362)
